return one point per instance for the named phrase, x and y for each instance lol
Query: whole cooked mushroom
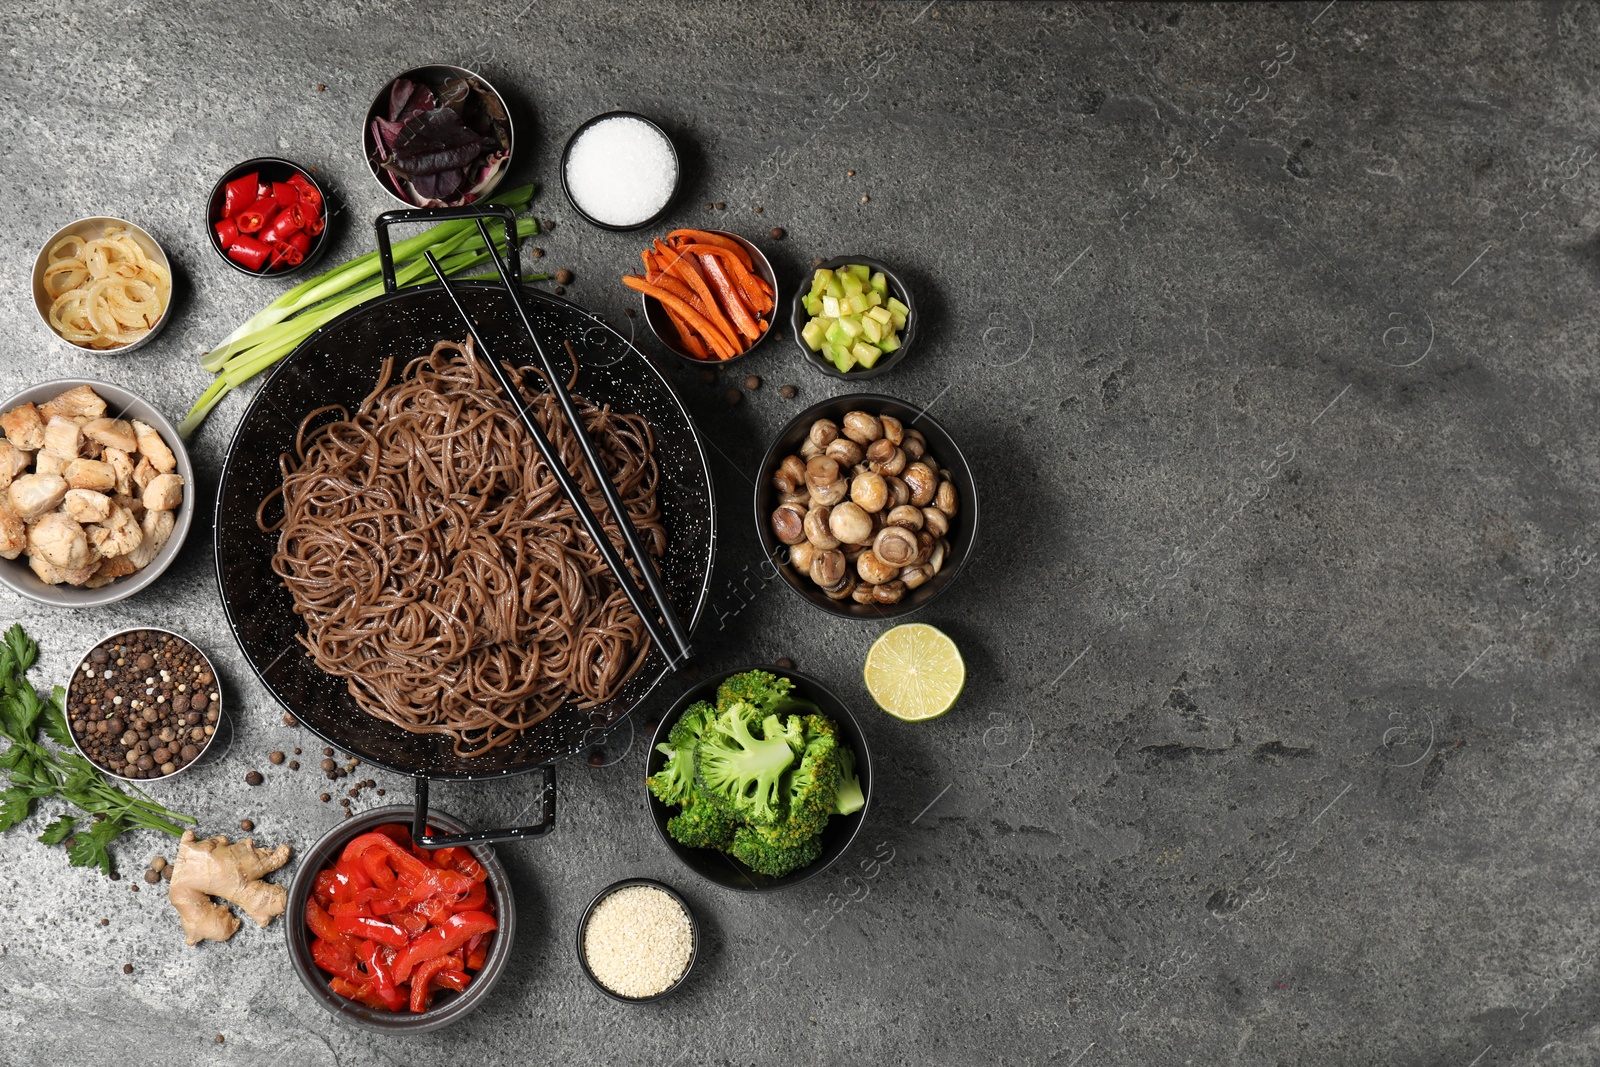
(945, 498)
(889, 592)
(850, 523)
(885, 458)
(922, 482)
(896, 546)
(914, 445)
(828, 568)
(869, 491)
(862, 427)
(831, 494)
(817, 531)
(893, 431)
(846, 451)
(874, 570)
(823, 432)
(801, 555)
(790, 476)
(788, 524)
(935, 522)
(904, 515)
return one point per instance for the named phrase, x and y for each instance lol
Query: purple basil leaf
(385, 132)
(421, 100)
(399, 93)
(441, 186)
(455, 94)
(435, 141)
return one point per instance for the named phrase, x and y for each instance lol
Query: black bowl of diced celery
(759, 780)
(855, 320)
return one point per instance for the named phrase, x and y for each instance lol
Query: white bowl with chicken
(96, 493)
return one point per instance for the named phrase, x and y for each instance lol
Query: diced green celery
(865, 354)
(857, 303)
(872, 329)
(842, 358)
(864, 361)
(852, 285)
(819, 280)
(879, 283)
(890, 343)
(851, 328)
(899, 311)
(813, 334)
(883, 315)
(833, 288)
(831, 308)
(874, 298)
(834, 332)
(813, 305)
(861, 271)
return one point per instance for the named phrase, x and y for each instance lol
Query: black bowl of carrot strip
(710, 296)
(268, 217)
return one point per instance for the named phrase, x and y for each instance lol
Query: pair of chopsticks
(672, 641)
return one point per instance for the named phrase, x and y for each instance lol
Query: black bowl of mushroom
(866, 506)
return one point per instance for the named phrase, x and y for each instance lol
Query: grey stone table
(1271, 332)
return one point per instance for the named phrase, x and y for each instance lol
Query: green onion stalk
(279, 328)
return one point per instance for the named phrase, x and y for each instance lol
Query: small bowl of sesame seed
(638, 940)
(144, 704)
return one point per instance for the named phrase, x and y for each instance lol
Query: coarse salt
(638, 941)
(621, 171)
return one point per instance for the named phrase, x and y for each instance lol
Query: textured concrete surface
(1271, 329)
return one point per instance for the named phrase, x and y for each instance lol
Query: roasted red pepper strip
(476, 897)
(408, 868)
(420, 992)
(337, 957)
(359, 992)
(372, 929)
(412, 923)
(238, 195)
(320, 922)
(435, 909)
(461, 860)
(477, 955)
(227, 232)
(249, 252)
(285, 193)
(380, 977)
(256, 215)
(442, 940)
(456, 980)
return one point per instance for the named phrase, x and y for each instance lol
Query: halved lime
(915, 672)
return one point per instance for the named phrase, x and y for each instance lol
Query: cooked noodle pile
(439, 568)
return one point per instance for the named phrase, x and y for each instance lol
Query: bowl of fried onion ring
(102, 284)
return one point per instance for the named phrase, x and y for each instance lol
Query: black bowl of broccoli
(759, 780)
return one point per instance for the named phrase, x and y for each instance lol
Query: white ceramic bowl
(120, 403)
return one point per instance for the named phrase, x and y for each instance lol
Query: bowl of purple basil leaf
(438, 136)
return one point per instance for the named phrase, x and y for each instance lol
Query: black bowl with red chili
(391, 936)
(268, 216)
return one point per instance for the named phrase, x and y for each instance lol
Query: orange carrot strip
(732, 302)
(684, 267)
(672, 284)
(704, 238)
(689, 314)
(755, 290)
(686, 335)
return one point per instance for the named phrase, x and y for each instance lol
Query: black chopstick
(677, 648)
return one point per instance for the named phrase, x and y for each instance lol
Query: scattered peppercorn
(328, 764)
(127, 968)
(563, 276)
(778, 233)
(549, 225)
(219, 1039)
(849, 174)
(325, 798)
(116, 876)
(321, 88)
(537, 253)
(786, 663)
(561, 290)
(721, 205)
(788, 392)
(327, 752)
(105, 922)
(709, 205)
(152, 877)
(733, 396)
(290, 720)
(275, 756)
(158, 863)
(253, 778)
(865, 198)
(380, 792)
(752, 382)
(597, 758)
(297, 751)
(294, 765)
(246, 825)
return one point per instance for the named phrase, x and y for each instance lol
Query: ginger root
(214, 868)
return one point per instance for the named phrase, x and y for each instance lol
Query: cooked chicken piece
(48, 463)
(62, 437)
(122, 463)
(60, 540)
(24, 428)
(82, 575)
(157, 528)
(13, 461)
(47, 574)
(154, 448)
(118, 535)
(144, 474)
(89, 448)
(34, 494)
(113, 433)
(80, 400)
(132, 503)
(164, 492)
(13, 531)
(90, 474)
(109, 570)
(87, 506)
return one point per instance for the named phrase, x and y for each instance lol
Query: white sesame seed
(638, 941)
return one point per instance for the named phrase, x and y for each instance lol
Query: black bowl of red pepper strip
(390, 937)
(268, 217)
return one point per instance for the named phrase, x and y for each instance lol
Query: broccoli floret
(760, 854)
(705, 821)
(849, 798)
(744, 770)
(791, 730)
(809, 790)
(672, 784)
(760, 689)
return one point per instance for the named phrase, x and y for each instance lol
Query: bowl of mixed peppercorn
(144, 704)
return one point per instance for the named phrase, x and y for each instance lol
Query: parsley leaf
(15, 806)
(90, 849)
(58, 831)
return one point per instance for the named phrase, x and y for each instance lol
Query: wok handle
(546, 823)
(381, 224)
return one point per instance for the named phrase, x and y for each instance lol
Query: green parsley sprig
(35, 771)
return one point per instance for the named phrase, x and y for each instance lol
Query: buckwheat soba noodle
(437, 565)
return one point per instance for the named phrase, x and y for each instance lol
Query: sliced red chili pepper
(249, 252)
(380, 976)
(420, 993)
(227, 232)
(238, 195)
(285, 193)
(376, 864)
(372, 929)
(337, 957)
(263, 189)
(301, 242)
(285, 254)
(442, 940)
(315, 222)
(281, 226)
(456, 980)
(257, 215)
(309, 195)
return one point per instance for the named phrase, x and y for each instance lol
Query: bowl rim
(319, 244)
(845, 609)
(298, 941)
(651, 308)
(138, 232)
(698, 691)
(798, 317)
(694, 939)
(222, 703)
(366, 130)
(120, 589)
(677, 177)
